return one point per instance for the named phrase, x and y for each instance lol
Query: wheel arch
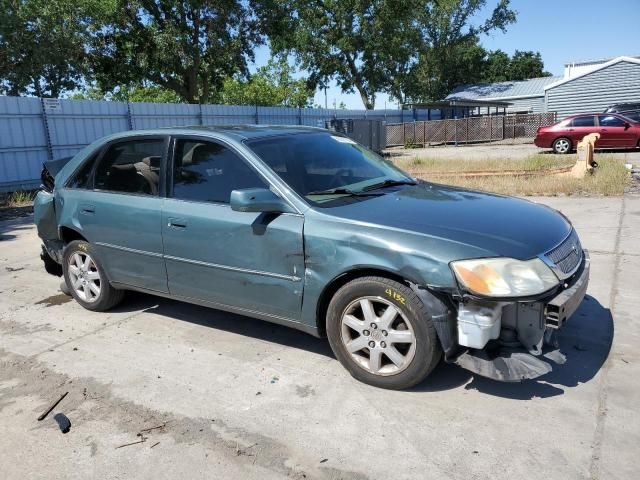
(342, 279)
(69, 234)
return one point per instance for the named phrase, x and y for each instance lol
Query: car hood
(499, 225)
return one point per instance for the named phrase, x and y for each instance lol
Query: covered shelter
(459, 108)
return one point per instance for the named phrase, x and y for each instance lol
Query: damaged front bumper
(516, 341)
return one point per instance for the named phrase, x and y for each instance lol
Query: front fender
(335, 248)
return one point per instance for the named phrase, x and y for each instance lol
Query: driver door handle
(177, 223)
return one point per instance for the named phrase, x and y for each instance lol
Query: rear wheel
(562, 145)
(86, 278)
(382, 333)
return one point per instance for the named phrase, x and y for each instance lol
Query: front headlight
(505, 277)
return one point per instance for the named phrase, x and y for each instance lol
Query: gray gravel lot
(238, 398)
(498, 151)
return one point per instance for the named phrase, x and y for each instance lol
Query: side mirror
(258, 200)
(627, 125)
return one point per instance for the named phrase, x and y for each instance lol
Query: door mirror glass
(258, 200)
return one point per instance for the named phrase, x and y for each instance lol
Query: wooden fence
(468, 130)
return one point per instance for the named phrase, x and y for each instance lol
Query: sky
(561, 30)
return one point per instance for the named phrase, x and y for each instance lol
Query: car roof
(236, 132)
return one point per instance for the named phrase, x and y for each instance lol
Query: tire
(398, 349)
(87, 280)
(562, 145)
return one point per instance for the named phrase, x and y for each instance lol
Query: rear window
(587, 121)
(131, 167)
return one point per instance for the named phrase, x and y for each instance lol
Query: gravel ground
(498, 151)
(234, 397)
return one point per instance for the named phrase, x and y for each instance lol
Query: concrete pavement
(240, 398)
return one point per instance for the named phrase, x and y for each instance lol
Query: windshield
(323, 167)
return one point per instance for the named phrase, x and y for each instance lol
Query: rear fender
(44, 216)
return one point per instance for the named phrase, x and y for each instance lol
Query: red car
(615, 131)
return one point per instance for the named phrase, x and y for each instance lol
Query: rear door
(121, 211)
(581, 126)
(253, 262)
(614, 132)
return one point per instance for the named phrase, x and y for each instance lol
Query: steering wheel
(340, 173)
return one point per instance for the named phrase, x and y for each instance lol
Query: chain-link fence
(468, 130)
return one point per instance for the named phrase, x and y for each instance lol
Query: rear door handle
(87, 209)
(178, 223)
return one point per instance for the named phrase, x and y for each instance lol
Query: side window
(82, 176)
(208, 172)
(131, 167)
(583, 122)
(611, 121)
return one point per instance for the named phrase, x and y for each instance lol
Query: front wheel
(382, 333)
(562, 145)
(86, 279)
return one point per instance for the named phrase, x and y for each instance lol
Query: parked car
(629, 110)
(305, 228)
(615, 131)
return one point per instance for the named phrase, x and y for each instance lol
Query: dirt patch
(91, 401)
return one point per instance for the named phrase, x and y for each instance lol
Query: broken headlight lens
(505, 277)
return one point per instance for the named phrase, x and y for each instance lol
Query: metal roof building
(526, 96)
(594, 87)
(589, 86)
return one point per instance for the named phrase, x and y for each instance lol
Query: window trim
(611, 115)
(93, 157)
(129, 139)
(205, 138)
(595, 121)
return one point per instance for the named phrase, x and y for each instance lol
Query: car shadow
(229, 322)
(11, 226)
(585, 340)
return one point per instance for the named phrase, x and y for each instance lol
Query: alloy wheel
(378, 336)
(562, 146)
(84, 276)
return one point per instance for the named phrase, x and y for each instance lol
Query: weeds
(610, 178)
(20, 198)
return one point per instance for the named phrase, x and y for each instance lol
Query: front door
(613, 132)
(253, 262)
(122, 215)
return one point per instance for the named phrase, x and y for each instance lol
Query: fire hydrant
(585, 162)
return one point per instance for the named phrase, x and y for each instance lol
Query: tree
(42, 45)
(497, 67)
(525, 65)
(187, 47)
(272, 85)
(348, 41)
(133, 93)
(449, 51)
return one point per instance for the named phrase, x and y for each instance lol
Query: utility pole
(325, 97)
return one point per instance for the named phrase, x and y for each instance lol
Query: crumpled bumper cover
(510, 364)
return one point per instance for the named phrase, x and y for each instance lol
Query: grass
(20, 198)
(610, 178)
(532, 163)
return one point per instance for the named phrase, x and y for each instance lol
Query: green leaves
(272, 85)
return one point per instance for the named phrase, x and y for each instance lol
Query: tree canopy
(271, 85)
(199, 50)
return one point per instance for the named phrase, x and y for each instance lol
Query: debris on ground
(63, 422)
(54, 405)
(142, 440)
(145, 430)
(13, 269)
(274, 379)
(157, 443)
